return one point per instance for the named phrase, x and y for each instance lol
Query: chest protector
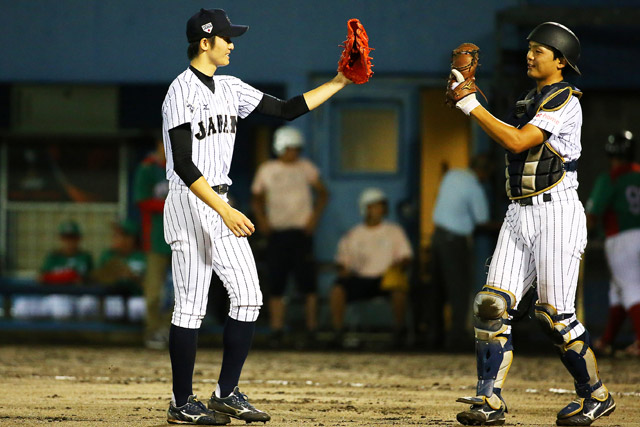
(539, 168)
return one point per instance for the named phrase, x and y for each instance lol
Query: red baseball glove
(355, 62)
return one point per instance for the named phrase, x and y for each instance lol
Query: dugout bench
(9, 288)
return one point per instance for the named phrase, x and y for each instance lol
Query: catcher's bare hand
(239, 224)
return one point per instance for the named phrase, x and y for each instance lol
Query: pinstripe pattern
(188, 100)
(201, 243)
(545, 241)
(564, 127)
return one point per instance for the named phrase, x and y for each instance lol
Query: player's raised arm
(354, 67)
(301, 104)
(316, 97)
(461, 92)
(509, 137)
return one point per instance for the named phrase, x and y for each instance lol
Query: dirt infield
(77, 386)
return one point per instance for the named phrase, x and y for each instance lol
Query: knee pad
(491, 308)
(549, 319)
(494, 350)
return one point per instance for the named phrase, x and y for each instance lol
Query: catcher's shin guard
(575, 353)
(494, 350)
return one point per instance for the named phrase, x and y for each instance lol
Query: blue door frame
(402, 187)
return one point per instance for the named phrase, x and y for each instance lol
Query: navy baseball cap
(212, 22)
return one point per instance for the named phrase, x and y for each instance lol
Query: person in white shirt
(372, 260)
(288, 199)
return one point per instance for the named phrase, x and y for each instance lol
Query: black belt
(221, 189)
(546, 197)
(571, 166)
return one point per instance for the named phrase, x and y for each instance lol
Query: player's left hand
(341, 79)
(238, 223)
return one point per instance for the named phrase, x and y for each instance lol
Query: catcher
(544, 232)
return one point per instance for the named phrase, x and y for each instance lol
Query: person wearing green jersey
(615, 199)
(123, 265)
(68, 264)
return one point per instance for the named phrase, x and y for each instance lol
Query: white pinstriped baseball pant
(545, 241)
(623, 256)
(201, 244)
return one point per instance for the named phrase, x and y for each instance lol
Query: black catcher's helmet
(560, 38)
(621, 145)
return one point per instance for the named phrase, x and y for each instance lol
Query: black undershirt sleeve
(288, 110)
(180, 137)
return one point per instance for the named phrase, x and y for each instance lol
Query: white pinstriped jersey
(213, 118)
(564, 127)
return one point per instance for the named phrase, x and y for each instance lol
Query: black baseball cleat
(483, 411)
(583, 412)
(237, 405)
(194, 412)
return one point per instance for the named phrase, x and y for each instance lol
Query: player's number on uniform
(633, 198)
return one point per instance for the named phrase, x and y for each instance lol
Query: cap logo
(207, 27)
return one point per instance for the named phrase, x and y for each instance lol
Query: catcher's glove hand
(355, 62)
(462, 81)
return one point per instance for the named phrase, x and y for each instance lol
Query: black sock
(183, 343)
(236, 339)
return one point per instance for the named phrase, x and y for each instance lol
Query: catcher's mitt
(355, 62)
(462, 80)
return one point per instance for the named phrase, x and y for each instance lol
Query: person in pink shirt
(288, 200)
(372, 261)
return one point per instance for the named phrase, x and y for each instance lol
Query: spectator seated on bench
(372, 261)
(66, 265)
(122, 266)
